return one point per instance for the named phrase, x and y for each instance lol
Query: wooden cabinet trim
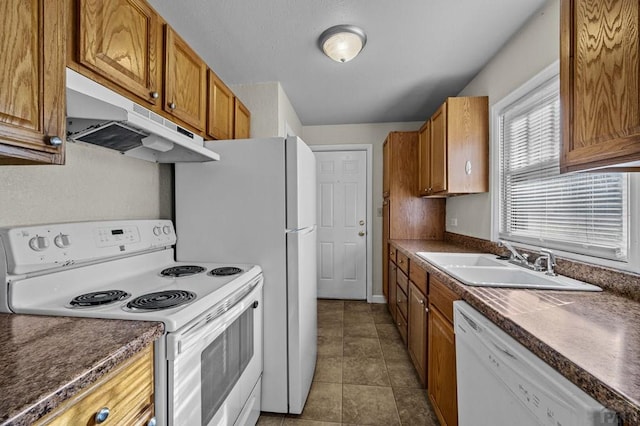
(393, 270)
(185, 95)
(442, 298)
(442, 385)
(35, 110)
(599, 128)
(417, 330)
(136, 68)
(403, 262)
(418, 276)
(220, 111)
(241, 120)
(128, 391)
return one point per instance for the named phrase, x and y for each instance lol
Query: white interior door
(342, 215)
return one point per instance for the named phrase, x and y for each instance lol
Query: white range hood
(100, 116)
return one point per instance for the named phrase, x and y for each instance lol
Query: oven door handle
(207, 329)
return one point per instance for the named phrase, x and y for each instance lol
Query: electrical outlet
(453, 221)
(379, 211)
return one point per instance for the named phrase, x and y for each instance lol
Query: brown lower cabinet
(127, 392)
(442, 354)
(392, 289)
(422, 309)
(417, 330)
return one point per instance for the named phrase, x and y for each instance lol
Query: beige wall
(94, 184)
(271, 109)
(531, 50)
(375, 135)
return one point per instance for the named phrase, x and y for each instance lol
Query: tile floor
(364, 375)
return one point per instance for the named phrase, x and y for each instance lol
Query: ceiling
(417, 53)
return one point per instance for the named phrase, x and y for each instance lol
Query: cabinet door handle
(102, 415)
(155, 95)
(421, 302)
(55, 141)
(172, 105)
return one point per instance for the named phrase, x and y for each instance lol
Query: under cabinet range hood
(100, 116)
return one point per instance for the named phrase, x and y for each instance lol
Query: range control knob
(62, 240)
(166, 229)
(38, 243)
(157, 231)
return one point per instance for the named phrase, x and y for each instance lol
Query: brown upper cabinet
(220, 110)
(424, 155)
(32, 92)
(599, 87)
(454, 154)
(241, 120)
(185, 81)
(121, 40)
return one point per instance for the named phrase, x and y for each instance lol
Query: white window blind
(582, 213)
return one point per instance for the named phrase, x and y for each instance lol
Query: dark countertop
(46, 360)
(592, 338)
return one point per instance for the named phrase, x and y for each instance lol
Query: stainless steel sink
(482, 269)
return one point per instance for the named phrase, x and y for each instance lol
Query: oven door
(214, 364)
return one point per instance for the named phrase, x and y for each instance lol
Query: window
(583, 213)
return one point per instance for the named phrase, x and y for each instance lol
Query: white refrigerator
(258, 205)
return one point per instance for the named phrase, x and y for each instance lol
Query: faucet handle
(551, 261)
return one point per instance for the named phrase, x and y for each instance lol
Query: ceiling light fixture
(342, 43)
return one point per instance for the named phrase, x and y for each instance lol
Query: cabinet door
(242, 120)
(185, 82)
(600, 92)
(439, 150)
(393, 270)
(417, 333)
(386, 162)
(442, 368)
(120, 40)
(424, 159)
(220, 109)
(32, 92)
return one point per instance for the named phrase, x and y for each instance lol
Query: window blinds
(583, 213)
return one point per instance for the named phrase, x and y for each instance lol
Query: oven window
(223, 362)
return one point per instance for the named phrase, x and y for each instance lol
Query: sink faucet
(550, 259)
(516, 258)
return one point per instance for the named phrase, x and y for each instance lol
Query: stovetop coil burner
(98, 298)
(182, 271)
(161, 300)
(225, 271)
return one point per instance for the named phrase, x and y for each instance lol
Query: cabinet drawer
(418, 276)
(441, 297)
(402, 302)
(392, 253)
(403, 281)
(402, 328)
(403, 262)
(127, 393)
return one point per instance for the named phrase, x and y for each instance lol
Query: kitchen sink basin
(462, 259)
(482, 269)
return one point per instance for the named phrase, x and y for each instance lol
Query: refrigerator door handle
(301, 231)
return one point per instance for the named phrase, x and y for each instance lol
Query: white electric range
(212, 312)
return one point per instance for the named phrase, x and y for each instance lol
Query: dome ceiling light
(342, 43)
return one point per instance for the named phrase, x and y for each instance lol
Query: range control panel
(38, 248)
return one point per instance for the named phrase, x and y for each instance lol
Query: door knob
(361, 233)
(362, 222)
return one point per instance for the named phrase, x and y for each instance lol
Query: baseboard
(378, 299)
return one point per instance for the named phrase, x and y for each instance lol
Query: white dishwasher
(502, 383)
